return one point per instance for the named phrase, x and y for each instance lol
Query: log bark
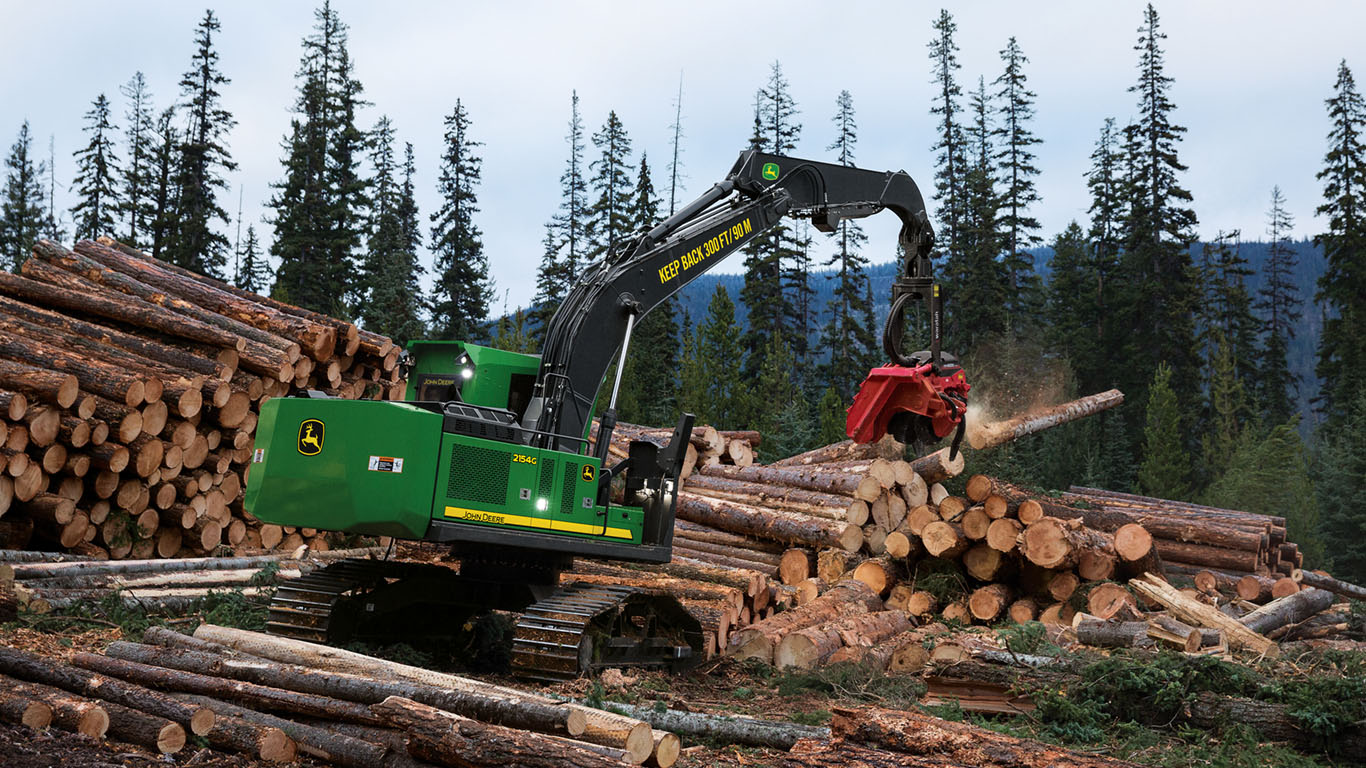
(937, 467)
(1206, 556)
(765, 523)
(1322, 580)
(1052, 543)
(69, 712)
(845, 450)
(984, 436)
(323, 743)
(1288, 610)
(1273, 721)
(27, 666)
(450, 739)
(60, 389)
(915, 733)
(806, 648)
(746, 731)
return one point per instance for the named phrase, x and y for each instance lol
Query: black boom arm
(615, 292)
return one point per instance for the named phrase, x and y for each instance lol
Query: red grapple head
(937, 397)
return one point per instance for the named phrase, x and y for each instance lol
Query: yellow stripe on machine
(498, 518)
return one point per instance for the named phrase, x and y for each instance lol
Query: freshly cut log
(1111, 634)
(60, 389)
(921, 603)
(1003, 534)
(68, 712)
(21, 710)
(898, 544)
(746, 731)
(805, 648)
(986, 603)
(99, 377)
(809, 478)
(1206, 556)
(600, 727)
(1024, 610)
(1322, 580)
(938, 467)
(796, 566)
(326, 744)
(955, 743)
(1198, 614)
(1062, 584)
(1109, 600)
(984, 436)
(1254, 588)
(450, 739)
(957, 611)
(765, 523)
(944, 540)
(986, 564)
(845, 450)
(846, 598)
(1275, 722)
(976, 523)
(28, 666)
(1053, 543)
(878, 573)
(921, 516)
(109, 568)
(1288, 610)
(1184, 636)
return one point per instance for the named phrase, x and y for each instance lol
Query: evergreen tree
(138, 180)
(512, 335)
(568, 238)
(204, 157)
(1074, 308)
(165, 194)
(1105, 180)
(1341, 482)
(849, 340)
(832, 418)
(1342, 344)
(787, 417)
(713, 388)
(611, 223)
(460, 302)
(1166, 466)
(21, 207)
(650, 382)
(950, 146)
(1015, 159)
(255, 274)
(392, 298)
(1162, 288)
(978, 278)
(1227, 406)
(52, 226)
(1279, 304)
(321, 202)
(98, 198)
(1268, 474)
(1225, 313)
(770, 255)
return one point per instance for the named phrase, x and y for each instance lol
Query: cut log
(1290, 609)
(1200, 615)
(806, 648)
(1323, 580)
(726, 729)
(769, 524)
(878, 573)
(955, 743)
(986, 603)
(325, 744)
(1111, 634)
(450, 739)
(938, 467)
(1110, 601)
(1053, 543)
(1003, 534)
(846, 598)
(984, 436)
(69, 712)
(1206, 556)
(986, 564)
(1024, 610)
(944, 540)
(1275, 722)
(921, 603)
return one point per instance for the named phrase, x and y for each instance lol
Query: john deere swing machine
(491, 450)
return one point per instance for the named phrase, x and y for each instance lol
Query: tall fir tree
(461, 296)
(204, 158)
(979, 279)
(320, 204)
(769, 255)
(849, 341)
(611, 223)
(1074, 308)
(1165, 470)
(21, 206)
(950, 146)
(1015, 157)
(52, 228)
(568, 240)
(650, 381)
(96, 181)
(1162, 286)
(254, 274)
(1340, 475)
(1279, 303)
(1225, 315)
(713, 387)
(393, 301)
(1105, 181)
(165, 193)
(137, 183)
(1342, 344)
(1227, 408)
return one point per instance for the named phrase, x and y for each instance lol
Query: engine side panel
(357, 466)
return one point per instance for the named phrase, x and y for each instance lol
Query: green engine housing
(410, 471)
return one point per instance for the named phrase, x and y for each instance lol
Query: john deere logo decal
(588, 472)
(770, 171)
(311, 437)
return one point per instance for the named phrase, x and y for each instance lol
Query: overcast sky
(1251, 78)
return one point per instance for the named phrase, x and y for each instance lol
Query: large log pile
(129, 393)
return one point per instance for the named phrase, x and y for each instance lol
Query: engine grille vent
(478, 474)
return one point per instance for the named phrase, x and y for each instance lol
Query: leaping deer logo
(311, 437)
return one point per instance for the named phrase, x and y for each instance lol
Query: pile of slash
(129, 394)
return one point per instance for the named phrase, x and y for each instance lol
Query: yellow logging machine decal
(714, 245)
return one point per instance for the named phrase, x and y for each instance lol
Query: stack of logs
(129, 394)
(276, 700)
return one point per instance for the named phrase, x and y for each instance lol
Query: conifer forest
(1240, 354)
